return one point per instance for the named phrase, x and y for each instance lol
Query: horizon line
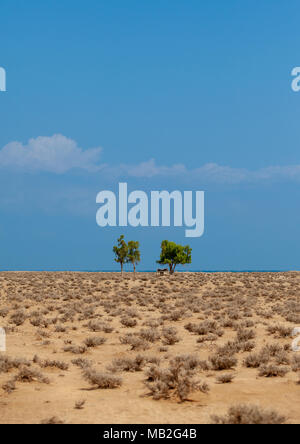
(146, 271)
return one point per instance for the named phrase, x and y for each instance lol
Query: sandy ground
(43, 313)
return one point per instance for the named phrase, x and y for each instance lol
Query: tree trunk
(121, 268)
(172, 268)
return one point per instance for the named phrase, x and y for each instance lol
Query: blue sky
(132, 89)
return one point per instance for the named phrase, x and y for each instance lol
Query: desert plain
(103, 348)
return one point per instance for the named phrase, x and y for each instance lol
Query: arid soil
(101, 348)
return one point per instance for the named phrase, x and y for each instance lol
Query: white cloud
(212, 173)
(150, 169)
(59, 154)
(56, 154)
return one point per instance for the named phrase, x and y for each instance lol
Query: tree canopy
(133, 255)
(174, 254)
(121, 251)
(127, 253)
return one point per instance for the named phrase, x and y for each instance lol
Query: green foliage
(174, 254)
(133, 255)
(127, 253)
(121, 251)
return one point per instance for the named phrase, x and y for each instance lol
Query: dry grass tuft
(53, 420)
(80, 404)
(272, 370)
(249, 414)
(100, 379)
(225, 379)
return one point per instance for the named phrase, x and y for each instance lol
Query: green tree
(133, 255)
(121, 251)
(174, 254)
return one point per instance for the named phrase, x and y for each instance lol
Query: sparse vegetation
(249, 414)
(225, 379)
(168, 337)
(176, 380)
(222, 362)
(272, 370)
(79, 404)
(94, 341)
(53, 420)
(100, 379)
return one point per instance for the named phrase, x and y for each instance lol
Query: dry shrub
(246, 346)
(39, 321)
(209, 338)
(81, 363)
(190, 362)
(152, 360)
(30, 375)
(281, 330)
(225, 379)
(127, 364)
(174, 315)
(95, 326)
(255, 360)
(100, 379)
(136, 342)
(9, 386)
(245, 335)
(150, 334)
(230, 348)
(272, 349)
(4, 312)
(203, 328)
(282, 358)
(7, 363)
(128, 322)
(249, 414)
(60, 329)
(42, 334)
(53, 364)
(107, 328)
(53, 420)
(94, 342)
(18, 318)
(79, 404)
(75, 349)
(272, 370)
(222, 362)
(170, 336)
(296, 363)
(174, 380)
